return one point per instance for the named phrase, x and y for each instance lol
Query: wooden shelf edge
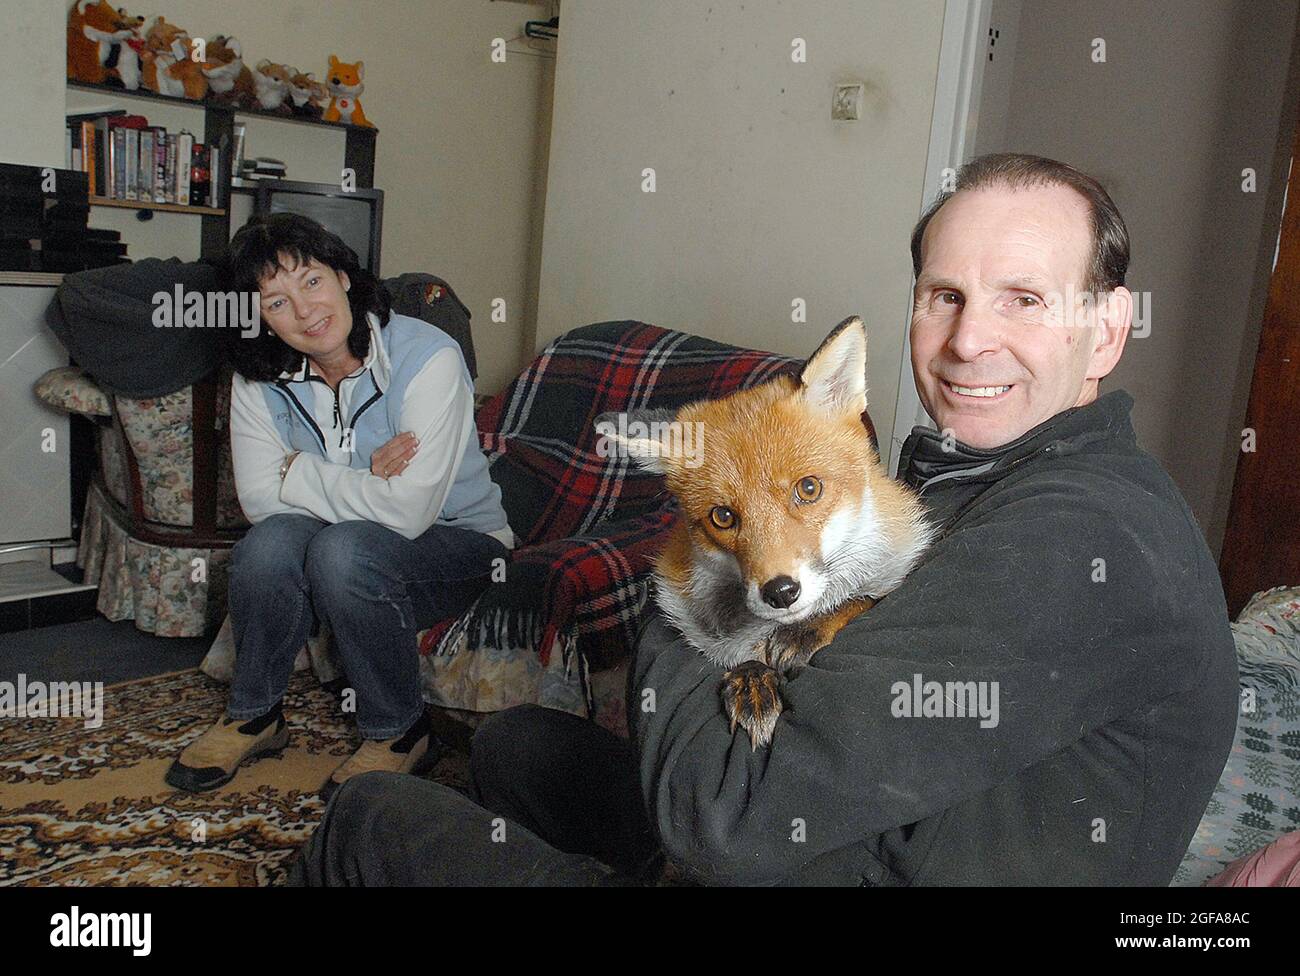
(256, 113)
(145, 205)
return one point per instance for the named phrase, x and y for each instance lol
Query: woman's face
(306, 305)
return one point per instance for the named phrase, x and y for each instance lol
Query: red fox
(789, 527)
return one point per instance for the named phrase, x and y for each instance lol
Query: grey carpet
(95, 650)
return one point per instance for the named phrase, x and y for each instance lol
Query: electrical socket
(847, 102)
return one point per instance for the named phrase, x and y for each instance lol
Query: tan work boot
(408, 753)
(212, 759)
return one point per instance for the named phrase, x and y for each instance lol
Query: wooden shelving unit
(145, 205)
(218, 129)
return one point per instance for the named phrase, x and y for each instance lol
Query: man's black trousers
(555, 802)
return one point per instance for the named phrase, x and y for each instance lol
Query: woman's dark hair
(258, 250)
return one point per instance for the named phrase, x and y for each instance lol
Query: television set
(355, 215)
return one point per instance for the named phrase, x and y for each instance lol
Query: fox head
(277, 75)
(780, 488)
(222, 52)
(165, 39)
(344, 78)
(98, 18)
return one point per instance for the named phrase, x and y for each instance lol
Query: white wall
(1191, 94)
(31, 111)
(761, 198)
(460, 146)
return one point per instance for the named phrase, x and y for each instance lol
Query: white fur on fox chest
(222, 80)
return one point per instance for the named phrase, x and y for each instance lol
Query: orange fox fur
(789, 527)
(344, 82)
(93, 24)
(228, 77)
(169, 68)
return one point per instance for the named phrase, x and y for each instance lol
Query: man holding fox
(1032, 550)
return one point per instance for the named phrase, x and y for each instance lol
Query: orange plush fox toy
(344, 83)
(100, 41)
(169, 68)
(789, 527)
(229, 79)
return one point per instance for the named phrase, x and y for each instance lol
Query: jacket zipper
(320, 436)
(352, 424)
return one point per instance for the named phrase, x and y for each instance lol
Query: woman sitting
(357, 460)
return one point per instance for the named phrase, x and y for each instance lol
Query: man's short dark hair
(258, 250)
(1108, 265)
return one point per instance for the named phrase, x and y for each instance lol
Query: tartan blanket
(587, 527)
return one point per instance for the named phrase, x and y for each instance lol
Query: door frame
(962, 56)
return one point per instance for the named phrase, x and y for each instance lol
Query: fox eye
(722, 517)
(808, 489)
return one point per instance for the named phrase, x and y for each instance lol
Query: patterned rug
(85, 806)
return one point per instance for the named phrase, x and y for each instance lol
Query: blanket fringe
(501, 628)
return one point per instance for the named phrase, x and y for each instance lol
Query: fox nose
(780, 592)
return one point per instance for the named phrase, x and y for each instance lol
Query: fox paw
(751, 695)
(790, 647)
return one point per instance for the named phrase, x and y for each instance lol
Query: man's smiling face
(995, 350)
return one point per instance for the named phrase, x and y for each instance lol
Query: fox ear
(835, 377)
(644, 435)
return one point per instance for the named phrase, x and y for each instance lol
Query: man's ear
(1114, 323)
(835, 377)
(644, 435)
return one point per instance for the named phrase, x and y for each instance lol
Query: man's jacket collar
(925, 460)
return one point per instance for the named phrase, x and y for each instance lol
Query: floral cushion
(1258, 796)
(69, 389)
(158, 429)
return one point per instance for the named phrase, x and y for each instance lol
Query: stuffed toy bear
(229, 80)
(306, 94)
(169, 68)
(273, 82)
(344, 83)
(103, 44)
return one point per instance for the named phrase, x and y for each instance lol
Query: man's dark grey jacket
(1071, 573)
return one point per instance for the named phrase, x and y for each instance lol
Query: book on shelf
(184, 165)
(144, 184)
(117, 164)
(159, 164)
(125, 158)
(131, 164)
(214, 171)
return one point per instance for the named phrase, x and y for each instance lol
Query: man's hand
(392, 458)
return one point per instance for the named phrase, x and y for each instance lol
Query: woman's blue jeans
(375, 589)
